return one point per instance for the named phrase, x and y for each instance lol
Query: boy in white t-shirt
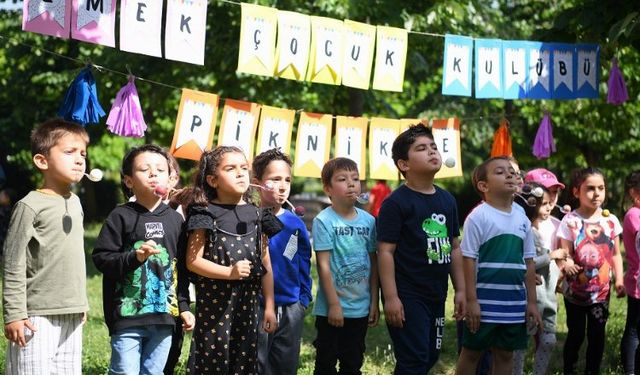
(498, 252)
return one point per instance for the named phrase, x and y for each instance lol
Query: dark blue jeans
(417, 344)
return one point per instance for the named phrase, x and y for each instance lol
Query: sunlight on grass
(379, 358)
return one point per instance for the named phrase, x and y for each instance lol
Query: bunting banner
(294, 42)
(141, 26)
(351, 134)
(514, 57)
(360, 39)
(488, 68)
(327, 44)
(48, 17)
(94, 21)
(539, 70)
(195, 124)
(238, 126)
(313, 144)
(382, 132)
(446, 134)
(588, 64)
(325, 50)
(256, 54)
(521, 69)
(458, 55)
(391, 57)
(564, 72)
(275, 129)
(185, 31)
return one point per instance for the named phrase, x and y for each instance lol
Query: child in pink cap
(549, 227)
(549, 271)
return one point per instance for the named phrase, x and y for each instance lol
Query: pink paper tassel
(125, 118)
(617, 89)
(544, 143)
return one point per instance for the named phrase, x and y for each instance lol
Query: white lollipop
(450, 162)
(95, 175)
(363, 198)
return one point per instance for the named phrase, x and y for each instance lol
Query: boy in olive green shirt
(44, 281)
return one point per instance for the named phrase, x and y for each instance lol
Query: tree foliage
(587, 132)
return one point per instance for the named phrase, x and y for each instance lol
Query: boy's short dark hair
(481, 171)
(261, 161)
(127, 163)
(335, 164)
(403, 142)
(47, 134)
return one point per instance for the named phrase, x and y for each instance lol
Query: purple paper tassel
(544, 143)
(617, 89)
(81, 103)
(125, 118)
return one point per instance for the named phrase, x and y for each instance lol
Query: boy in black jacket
(144, 285)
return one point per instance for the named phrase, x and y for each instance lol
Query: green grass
(379, 355)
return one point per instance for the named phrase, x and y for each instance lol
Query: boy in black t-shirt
(418, 248)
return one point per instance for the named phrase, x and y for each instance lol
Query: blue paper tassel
(81, 103)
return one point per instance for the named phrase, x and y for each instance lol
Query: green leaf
(620, 27)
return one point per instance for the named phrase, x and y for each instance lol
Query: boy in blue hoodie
(290, 253)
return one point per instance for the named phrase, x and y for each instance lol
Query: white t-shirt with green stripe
(500, 242)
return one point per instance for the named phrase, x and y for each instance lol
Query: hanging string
(426, 33)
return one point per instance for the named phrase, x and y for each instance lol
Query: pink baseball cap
(543, 177)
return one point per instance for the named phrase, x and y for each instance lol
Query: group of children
(250, 264)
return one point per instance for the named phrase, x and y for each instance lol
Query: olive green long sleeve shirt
(44, 261)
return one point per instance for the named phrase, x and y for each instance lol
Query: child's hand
(559, 254)
(84, 318)
(188, 320)
(538, 279)
(620, 291)
(571, 269)
(335, 317)
(460, 305)
(240, 270)
(394, 312)
(15, 331)
(472, 317)
(374, 315)
(146, 250)
(269, 321)
(534, 314)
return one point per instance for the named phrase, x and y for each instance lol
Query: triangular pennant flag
(256, 53)
(502, 140)
(48, 17)
(544, 143)
(457, 65)
(617, 88)
(125, 118)
(81, 103)
(94, 21)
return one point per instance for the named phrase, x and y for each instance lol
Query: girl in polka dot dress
(228, 257)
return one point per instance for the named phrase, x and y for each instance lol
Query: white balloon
(95, 175)
(450, 162)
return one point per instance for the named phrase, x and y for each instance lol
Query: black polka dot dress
(225, 336)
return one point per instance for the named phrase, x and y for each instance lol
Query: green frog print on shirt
(435, 227)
